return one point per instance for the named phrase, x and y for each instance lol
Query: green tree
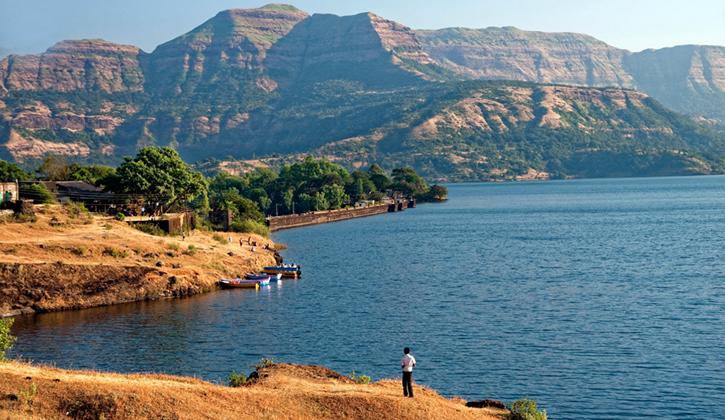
(437, 193)
(6, 339)
(334, 195)
(407, 181)
(54, 168)
(379, 177)
(158, 173)
(97, 175)
(10, 172)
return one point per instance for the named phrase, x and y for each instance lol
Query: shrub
(237, 379)
(219, 238)
(75, 210)
(6, 339)
(115, 253)
(360, 379)
(191, 250)
(525, 409)
(263, 363)
(173, 246)
(79, 250)
(38, 193)
(120, 217)
(150, 229)
(250, 226)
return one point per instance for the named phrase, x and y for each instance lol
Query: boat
(249, 281)
(292, 271)
(274, 278)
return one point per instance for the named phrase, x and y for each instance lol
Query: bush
(75, 210)
(150, 228)
(120, 217)
(360, 379)
(38, 193)
(115, 253)
(6, 339)
(263, 363)
(250, 226)
(191, 250)
(237, 379)
(173, 246)
(79, 250)
(525, 409)
(219, 238)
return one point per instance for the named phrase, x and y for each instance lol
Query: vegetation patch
(115, 252)
(525, 409)
(6, 339)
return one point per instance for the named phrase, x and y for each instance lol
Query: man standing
(407, 364)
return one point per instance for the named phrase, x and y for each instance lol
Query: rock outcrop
(364, 48)
(689, 79)
(512, 54)
(83, 65)
(232, 44)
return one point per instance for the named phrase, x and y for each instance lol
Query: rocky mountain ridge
(275, 81)
(688, 78)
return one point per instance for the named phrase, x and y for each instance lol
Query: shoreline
(65, 262)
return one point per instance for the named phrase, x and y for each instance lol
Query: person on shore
(407, 364)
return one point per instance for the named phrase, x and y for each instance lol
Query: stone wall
(318, 217)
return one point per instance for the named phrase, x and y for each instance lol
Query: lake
(597, 298)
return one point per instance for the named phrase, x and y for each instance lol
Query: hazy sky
(34, 25)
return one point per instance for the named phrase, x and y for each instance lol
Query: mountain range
(269, 85)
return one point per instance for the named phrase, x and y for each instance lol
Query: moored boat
(293, 271)
(249, 281)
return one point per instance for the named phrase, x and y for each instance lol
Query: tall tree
(159, 174)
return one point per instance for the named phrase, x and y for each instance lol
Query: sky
(30, 26)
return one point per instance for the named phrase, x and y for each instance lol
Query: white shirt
(407, 363)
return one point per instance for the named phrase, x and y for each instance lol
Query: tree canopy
(159, 174)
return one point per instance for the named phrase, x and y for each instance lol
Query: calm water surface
(597, 298)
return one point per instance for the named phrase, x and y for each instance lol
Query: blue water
(597, 298)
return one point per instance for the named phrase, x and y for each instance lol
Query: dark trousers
(408, 384)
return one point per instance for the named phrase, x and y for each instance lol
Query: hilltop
(283, 391)
(276, 83)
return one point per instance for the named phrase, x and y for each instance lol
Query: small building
(9, 192)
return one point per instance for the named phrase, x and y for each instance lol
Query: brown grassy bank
(283, 392)
(66, 260)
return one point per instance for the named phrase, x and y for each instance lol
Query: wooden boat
(249, 281)
(292, 271)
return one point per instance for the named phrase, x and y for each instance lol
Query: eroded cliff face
(689, 79)
(232, 44)
(512, 54)
(82, 65)
(363, 48)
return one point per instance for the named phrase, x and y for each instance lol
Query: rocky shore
(67, 259)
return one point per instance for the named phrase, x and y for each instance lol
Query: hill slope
(274, 81)
(283, 391)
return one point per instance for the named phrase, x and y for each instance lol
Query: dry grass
(283, 392)
(84, 243)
